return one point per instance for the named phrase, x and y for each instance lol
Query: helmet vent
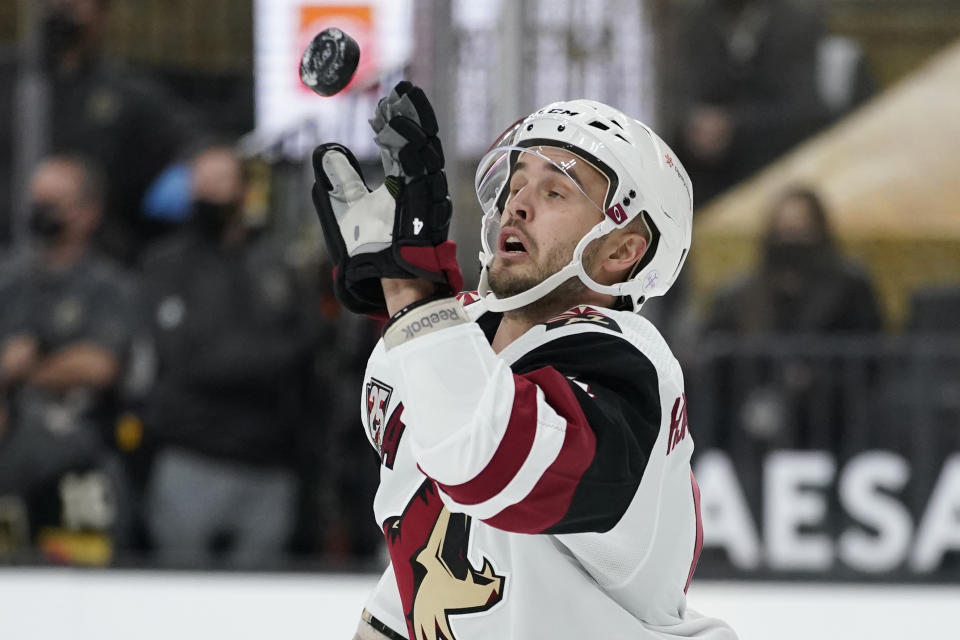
(599, 125)
(622, 138)
(651, 248)
(616, 123)
(683, 255)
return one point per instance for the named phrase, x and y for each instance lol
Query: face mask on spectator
(212, 217)
(45, 222)
(61, 33)
(795, 257)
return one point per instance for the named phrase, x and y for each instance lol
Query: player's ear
(623, 250)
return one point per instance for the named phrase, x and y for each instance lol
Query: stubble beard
(566, 295)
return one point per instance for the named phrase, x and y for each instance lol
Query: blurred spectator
(66, 321)
(804, 288)
(116, 115)
(747, 85)
(803, 284)
(232, 346)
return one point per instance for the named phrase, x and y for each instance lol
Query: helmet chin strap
(531, 295)
(573, 269)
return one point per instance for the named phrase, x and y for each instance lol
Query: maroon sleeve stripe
(698, 544)
(513, 449)
(550, 498)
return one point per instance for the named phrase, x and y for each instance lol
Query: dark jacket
(232, 345)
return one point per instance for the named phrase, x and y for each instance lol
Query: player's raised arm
(399, 230)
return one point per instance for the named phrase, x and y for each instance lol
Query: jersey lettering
(678, 423)
(391, 438)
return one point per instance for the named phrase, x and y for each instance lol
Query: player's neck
(517, 322)
(512, 326)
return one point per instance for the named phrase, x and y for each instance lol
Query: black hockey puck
(329, 62)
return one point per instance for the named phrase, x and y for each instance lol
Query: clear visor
(492, 182)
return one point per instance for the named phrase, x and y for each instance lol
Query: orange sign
(356, 20)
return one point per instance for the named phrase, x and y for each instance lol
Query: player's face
(545, 216)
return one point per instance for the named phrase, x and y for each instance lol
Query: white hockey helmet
(645, 178)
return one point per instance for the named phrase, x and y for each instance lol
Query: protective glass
(493, 186)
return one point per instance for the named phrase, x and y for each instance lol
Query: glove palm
(400, 229)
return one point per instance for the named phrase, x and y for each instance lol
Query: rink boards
(106, 605)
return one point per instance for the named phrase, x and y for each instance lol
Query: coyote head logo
(451, 585)
(429, 546)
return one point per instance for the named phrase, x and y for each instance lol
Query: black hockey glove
(396, 231)
(406, 132)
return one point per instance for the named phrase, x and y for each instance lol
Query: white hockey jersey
(542, 492)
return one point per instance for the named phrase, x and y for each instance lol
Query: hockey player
(535, 476)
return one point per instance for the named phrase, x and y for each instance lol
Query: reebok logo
(430, 321)
(422, 320)
(417, 226)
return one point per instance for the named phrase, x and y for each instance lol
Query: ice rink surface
(69, 604)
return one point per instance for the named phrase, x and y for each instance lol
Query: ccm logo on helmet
(564, 112)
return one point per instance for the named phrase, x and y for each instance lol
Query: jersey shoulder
(605, 340)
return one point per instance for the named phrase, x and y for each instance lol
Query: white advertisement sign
(799, 490)
(291, 119)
